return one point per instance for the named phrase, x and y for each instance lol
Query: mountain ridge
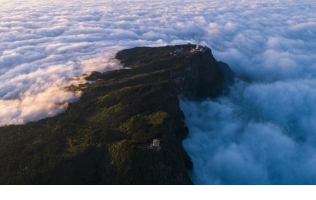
(104, 138)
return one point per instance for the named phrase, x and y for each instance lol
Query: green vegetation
(104, 137)
(157, 118)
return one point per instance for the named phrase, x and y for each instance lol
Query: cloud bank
(45, 45)
(258, 134)
(262, 132)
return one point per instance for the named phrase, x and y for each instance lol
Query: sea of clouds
(264, 130)
(261, 132)
(46, 45)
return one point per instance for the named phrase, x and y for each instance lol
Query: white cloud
(260, 133)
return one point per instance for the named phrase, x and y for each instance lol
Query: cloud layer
(45, 44)
(262, 132)
(258, 134)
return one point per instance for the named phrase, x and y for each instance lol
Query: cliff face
(199, 78)
(105, 137)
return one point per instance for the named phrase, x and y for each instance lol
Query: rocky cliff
(105, 137)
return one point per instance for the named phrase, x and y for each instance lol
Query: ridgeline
(105, 137)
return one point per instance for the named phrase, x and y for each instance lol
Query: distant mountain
(107, 136)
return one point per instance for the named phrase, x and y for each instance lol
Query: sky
(261, 132)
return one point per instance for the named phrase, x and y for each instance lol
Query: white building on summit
(187, 50)
(198, 49)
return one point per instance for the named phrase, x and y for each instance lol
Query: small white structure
(155, 144)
